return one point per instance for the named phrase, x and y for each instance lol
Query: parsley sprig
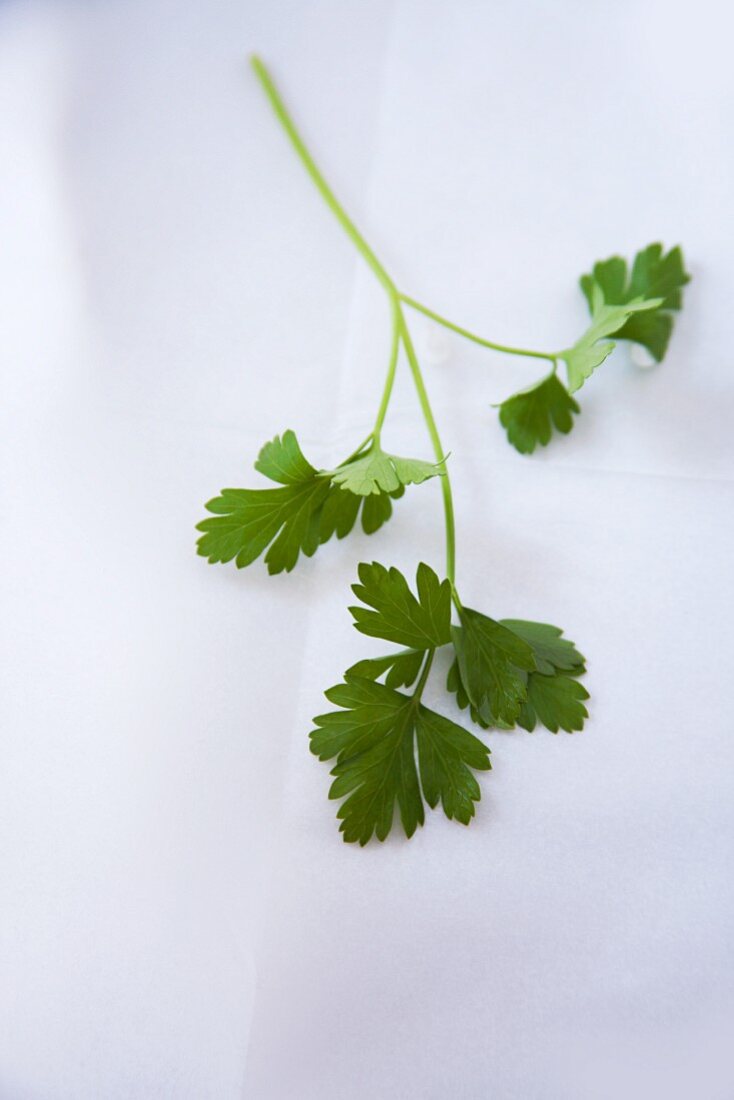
(389, 751)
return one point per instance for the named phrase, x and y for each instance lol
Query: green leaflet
(556, 701)
(492, 663)
(380, 472)
(554, 697)
(374, 738)
(246, 521)
(637, 308)
(308, 509)
(295, 519)
(282, 460)
(530, 415)
(341, 509)
(446, 753)
(549, 694)
(402, 668)
(654, 274)
(550, 649)
(592, 348)
(395, 614)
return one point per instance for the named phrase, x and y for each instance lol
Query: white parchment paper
(180, 918)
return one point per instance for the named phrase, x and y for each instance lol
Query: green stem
(471, 336)
(315, 173)
(394, 348)
(448, 500)
(400, 328)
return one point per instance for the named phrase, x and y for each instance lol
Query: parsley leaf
(246, 521)
(592, 349)
(376, 510)
(380, 472)
(373, 738)
(446, 752)
(555, 698)
(530, 415)
(655, 274)
(547, 693)
(282, 460)
(402, 668)
(557, 701)
(305, 512)
(341, 508)
(396, 615)
(637, 307)
(550, 649)
(492, 663)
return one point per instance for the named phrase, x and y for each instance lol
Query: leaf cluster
(391, 753)
(390, 750)
(515, 672)
(308, 508)
(655, 275)
(636, 305)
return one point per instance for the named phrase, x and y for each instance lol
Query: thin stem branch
(448, 500)
(315, 173)
(472, 336)
(390, 379)
(401, 333)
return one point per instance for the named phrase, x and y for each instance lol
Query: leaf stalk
(401, 333)
(505, 348)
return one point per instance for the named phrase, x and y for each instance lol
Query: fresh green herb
(375, 737)
(493, 662)
(403, 668)
(395, 614)
(591, 349)
(555, 698)
(530, 416)
(655, 275)
(637, 309)
(312, 506)
(374, 740)
(390, 751)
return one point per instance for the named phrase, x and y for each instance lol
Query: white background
(178, 916)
